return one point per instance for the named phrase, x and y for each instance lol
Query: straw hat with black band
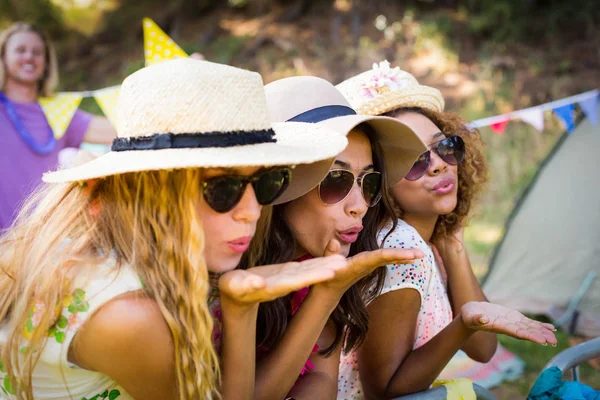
(189, 113)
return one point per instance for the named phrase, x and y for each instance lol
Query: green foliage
(224, 49)
(39, 12)
(512, 19)
(90, 105)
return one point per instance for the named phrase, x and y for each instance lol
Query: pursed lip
(349, 235)
(240, 244)
(443, 183)
(443, 186)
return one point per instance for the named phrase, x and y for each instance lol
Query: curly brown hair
(473, 172)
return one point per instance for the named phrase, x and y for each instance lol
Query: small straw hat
(315, 100)
(188, 113)
(383, 89)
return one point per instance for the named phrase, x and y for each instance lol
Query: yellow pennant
(59, 110)
(158, 46)
(107, 100)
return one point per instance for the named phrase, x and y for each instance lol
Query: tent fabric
(552, 239)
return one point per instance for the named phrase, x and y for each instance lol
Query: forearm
(238, 351)
(463, 288)
(100, 131)
(321, 381)
(423, 365)
(462, 282)
(277, 371)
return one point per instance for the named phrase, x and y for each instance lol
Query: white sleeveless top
(54, 377)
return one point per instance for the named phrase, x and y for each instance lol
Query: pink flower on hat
(382, 79)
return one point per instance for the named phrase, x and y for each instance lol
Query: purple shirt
(21, 167)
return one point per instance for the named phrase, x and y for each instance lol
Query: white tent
(552, 239)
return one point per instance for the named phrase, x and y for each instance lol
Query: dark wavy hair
(473, 172)
(274, 243)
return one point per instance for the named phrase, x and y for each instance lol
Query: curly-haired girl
(430, 309)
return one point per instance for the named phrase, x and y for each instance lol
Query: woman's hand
(366, 262)
(484, 316)
(266, 283)
(450, 245)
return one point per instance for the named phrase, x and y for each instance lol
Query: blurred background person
(28, 148)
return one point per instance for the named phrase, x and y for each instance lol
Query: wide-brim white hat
(189, 113)
(383, 89)
(315, 100)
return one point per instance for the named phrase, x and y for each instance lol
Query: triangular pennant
(158, 46)
(590, 108)
(566, 115)
(59, 111)
(533, 116)
(499, 127)
(107, 100)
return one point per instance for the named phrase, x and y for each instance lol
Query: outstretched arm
(241, 292)
(279, 369)
(390, 368)
(100, 131)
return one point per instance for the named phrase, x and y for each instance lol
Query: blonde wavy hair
(149, 220)
(49, 81)
(473, 172)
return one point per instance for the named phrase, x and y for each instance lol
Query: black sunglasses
(224, 192)
(338, 184)
(451, 150)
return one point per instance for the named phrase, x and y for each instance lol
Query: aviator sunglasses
(451, 150)
(338, 184)
(224, 192)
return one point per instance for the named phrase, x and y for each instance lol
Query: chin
(445, 210)
(27, 79)
(223, 264)
(345, 250)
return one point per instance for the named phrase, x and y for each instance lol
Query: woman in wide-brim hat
(339, 215)
(104, 278)
(424, 313)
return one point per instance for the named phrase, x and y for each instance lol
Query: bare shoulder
(128, 330)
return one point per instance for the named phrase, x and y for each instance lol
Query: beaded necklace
(42, 149)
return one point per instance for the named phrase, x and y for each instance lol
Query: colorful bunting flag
(107, 100)
(590, 108)
(59, 110)
(158, 46)
(533, 116)
(566, 115)
(500, 127)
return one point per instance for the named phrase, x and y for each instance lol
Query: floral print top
(426, 278)
(55, 377)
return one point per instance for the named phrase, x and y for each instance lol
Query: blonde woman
(104, 279)
(28, 70)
